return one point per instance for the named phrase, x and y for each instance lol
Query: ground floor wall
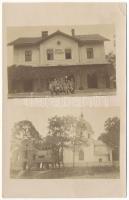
(86, 156)
(36, 79)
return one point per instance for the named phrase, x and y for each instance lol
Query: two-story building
(39, 60)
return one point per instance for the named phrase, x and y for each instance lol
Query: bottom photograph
(64, 143)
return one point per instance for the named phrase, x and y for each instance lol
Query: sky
(39, 116)
(106, 30)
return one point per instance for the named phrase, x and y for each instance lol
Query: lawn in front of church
(100, 172)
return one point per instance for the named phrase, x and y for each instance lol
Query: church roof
(78, 38)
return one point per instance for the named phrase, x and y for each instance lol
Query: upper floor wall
(20, 55)
(59, 46)
(59, 50)
(96, 53)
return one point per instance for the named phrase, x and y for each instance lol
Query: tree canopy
(111, 136)
(24, 133)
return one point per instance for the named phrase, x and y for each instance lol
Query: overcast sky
(39, 116)
(107, 30)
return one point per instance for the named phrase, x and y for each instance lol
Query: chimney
(44, 34)
(73, 32)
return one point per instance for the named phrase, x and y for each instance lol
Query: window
(90, 53)
(28, 55)
(68, 54)
(58, 42)
(81, 155)
(100, 160)
(50, 55)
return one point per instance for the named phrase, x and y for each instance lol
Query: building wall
(79, 53)
(59, 51)
(19, 56)
(98, 54)
(68, 156)
(90, 157)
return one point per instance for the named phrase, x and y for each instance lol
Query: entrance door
(28, 85)
(92, 80)
(107, 79)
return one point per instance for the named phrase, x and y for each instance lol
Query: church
(38, 60)
(82, 151)
(85, 150)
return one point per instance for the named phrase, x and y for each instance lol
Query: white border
(9, 1)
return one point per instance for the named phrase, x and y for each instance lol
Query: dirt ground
(70, 173)
(88, 92)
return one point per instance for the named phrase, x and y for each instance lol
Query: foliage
(111, 58)
(111, 136)
(24, 133)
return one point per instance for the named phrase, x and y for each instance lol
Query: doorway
(28, 85)
(92, 80)
(107, 80)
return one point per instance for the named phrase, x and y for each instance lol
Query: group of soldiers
(61, 86)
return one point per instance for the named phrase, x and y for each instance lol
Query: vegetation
(111, 136)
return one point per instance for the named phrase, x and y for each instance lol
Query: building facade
(89, 153)
(39, 60)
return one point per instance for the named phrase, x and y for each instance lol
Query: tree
(111, 136)
(111, 58)
(24, 131)
(24, 137)
(61, 130)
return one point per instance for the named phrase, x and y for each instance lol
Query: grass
(70, 173)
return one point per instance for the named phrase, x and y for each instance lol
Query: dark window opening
(68, 54)
(81, 155)
(100, 160)
(28, 55)
(90, 53)
(50, 55)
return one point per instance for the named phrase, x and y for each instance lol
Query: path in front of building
(78, 93)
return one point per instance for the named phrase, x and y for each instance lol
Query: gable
(59, 40)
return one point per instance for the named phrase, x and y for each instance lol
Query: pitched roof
(78, 38)
(91, 37)
(25, 41)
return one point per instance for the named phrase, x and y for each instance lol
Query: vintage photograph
(61, 61)
(64, 143)
(64, 100)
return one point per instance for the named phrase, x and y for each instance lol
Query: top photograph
(61, 61)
